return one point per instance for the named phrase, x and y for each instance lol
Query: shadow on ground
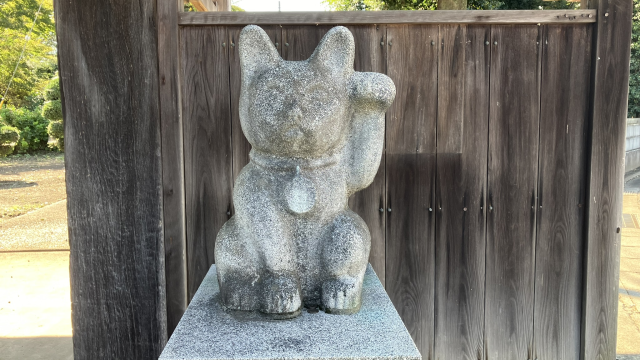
(36, 348)
(8, 184)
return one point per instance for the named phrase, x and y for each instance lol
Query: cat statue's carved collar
(317, 129)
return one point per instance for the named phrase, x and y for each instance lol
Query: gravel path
(41, 229)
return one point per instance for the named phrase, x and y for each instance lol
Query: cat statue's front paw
(281, 296)
(342, 295)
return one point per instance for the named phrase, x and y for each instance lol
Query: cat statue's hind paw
(342, 296)
(281, 296)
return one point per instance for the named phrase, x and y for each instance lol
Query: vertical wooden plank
(175, 245)
(461, 186)
(370, 43)
(301, 41)
(240, 145)
(206, 116)
(564, 98)
(114, 177)
(451, 88)
(609, 95)
(512, 186)
(411, 146)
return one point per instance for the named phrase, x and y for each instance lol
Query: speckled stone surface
(316, 129)
(209, 332)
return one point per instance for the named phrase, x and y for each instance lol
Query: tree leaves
(39, 63)
(634, 73)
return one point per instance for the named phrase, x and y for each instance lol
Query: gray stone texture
(208, 331)
(317, 129)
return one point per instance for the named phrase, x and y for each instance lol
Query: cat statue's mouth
(295, 133)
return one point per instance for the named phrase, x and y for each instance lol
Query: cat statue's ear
(335, 52)
(257, 52)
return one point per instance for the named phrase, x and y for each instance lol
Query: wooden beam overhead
(390, 17)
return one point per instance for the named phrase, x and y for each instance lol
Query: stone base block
(207, 331)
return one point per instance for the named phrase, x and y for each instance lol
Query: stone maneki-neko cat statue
(317, 129)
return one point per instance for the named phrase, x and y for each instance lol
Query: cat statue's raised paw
(317, 130)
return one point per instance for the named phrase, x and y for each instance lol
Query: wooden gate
(483, 231)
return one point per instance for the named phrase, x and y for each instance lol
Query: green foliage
(634, 78)
(52, 110)
(484, 4)
(32, 127)
(347, 5)
(8, 138)
(56, 131)
(39, 62)
(410, 4)
(353, 5)
(8, 134)
(6, 149)
(190, 8)
(52, 90)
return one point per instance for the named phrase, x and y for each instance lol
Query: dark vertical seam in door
(542, 39)
(487, 190)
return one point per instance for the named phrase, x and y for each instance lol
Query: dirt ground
(33, 195)
(30, 182)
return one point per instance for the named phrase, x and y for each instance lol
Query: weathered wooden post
(107, 53)
(609, 90)
(175, 244)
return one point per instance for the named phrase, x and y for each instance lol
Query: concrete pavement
(35, 306)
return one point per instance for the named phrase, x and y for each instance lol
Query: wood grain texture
(223, 5)
(610, 78)
(390, 17)
(206, 114)
(370, 43)
(460, 191)
(113, 177)
(241, 146)
(410, 172)
(299, 42)
(451, 78)
(564, 99)
(175, 245)
(512, 187)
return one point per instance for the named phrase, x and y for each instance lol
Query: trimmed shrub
(32, 127)
(52, 90)
(52, 110)
(56, 131)
(8, 116)
(9, 136)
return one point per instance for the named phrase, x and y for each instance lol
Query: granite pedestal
(207, 331)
